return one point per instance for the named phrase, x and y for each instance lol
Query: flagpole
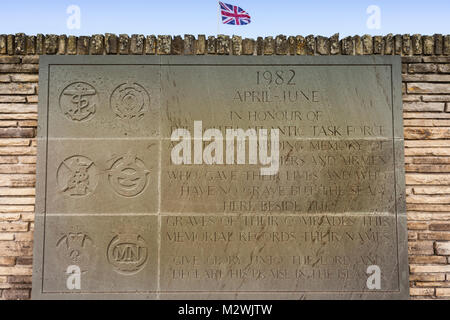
(218, 17)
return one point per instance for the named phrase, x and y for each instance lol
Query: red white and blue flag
(233, 15)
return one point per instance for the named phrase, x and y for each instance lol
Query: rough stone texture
(389, 47)
(110, 43)
(367, 43)
(3, 44)
(39, 44)
(334, 44)
(62, 47)
(347, 46)
(97, 44)
(438, 44)
(31, 45)
(447, 45)
(398, 44)
(124, 44)
(236, 45)
(223, 44)
(323, 45)
(72, 45)
(211, 45)
(310, 45)
(200, 44)
(281, 45)
(301, 45)
(378, 45)
(292, 45)
(406, 45)
(248, 46)
(177, 45)
(20, 44)
(83, 45)
(269, 46)
(428, 45)
(358, 45)
(51, 44)
(427, 152)
(10, 44)
(189, 44)
(416, 42)
(164, 45)
(150, 45)
(137, 44)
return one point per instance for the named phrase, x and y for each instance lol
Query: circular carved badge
(130, 101)
(127, 253)
(128, 175)
(77, 176)
(78, 101)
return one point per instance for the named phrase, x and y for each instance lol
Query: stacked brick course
(426, 103)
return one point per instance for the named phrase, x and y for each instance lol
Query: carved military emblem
(127, 253)
(74, 244)
(77, 176)
(130, 101)
(78, 101)
(128, 175)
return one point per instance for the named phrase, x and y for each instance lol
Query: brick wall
(426, 103)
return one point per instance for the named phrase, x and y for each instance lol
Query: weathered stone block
(97, 44)
(428, 45)
(124, 44)
(111, 46)
(40, 44)
(223, 44)
(200, 45)
(51, 44)
(447, 45)
(347, 46)
(31, 44)
(62, 41)
(150, 45)
(442, 248)
(211, 45)
(301, 45)
(438, 44)
(416, 43)
(269, 46)
(389, 46)
(334, 44)
(72, 45)
(378, 45)
(189, 44)
(236, 44)
(137, 44)
(367, 44)
(323, 45)
(3, 44)
(20, 44)
(422, 68)
(406, 45)
(177, 45)
(310, 45)
(281, 45)
(248, 46)
(10, 44)
(83, 45)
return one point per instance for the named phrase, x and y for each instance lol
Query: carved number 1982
(277, 77)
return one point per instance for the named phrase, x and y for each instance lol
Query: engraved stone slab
(220, 177)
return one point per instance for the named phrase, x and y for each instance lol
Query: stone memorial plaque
(177, 177)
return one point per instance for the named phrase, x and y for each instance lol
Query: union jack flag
(233, 14)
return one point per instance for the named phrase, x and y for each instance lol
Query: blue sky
(290, 17)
